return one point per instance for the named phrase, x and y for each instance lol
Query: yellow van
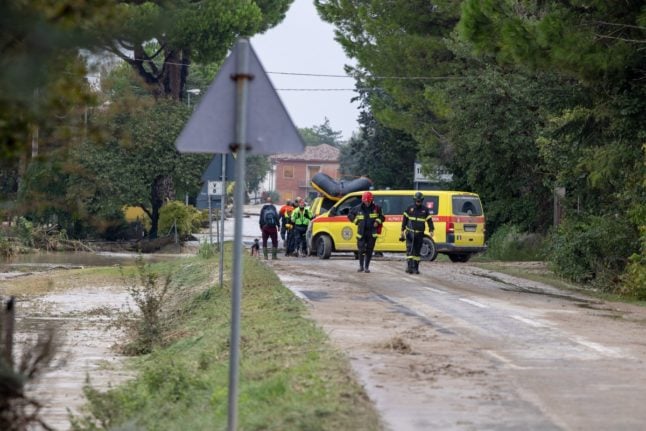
(320, 205)
(458, 219)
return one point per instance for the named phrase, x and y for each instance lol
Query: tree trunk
(175, 73)
(161, 190)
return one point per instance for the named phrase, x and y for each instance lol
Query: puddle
(314, 295)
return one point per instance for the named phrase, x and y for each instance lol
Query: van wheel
(462, 257)
(356, 255)
(323, 247)
(428, 251)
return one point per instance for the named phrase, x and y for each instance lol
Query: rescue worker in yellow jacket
(369, 219)
(414, 222)
(301, 216)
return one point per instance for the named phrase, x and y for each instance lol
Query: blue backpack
(270, 217)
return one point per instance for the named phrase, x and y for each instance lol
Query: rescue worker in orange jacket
(369, 219)
(414, 222)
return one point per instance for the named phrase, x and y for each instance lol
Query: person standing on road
(285, 213)
(301, 217)
(414, 222)
(369, 219)
(269, 224)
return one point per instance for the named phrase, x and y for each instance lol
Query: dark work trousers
(300, 243)
(365, 245)
(290, 242)
(283, 229)
(270, 232)
(413, 247)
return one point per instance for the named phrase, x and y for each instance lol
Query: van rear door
(468, 220)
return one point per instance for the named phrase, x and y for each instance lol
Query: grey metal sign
(214, 171)
(211, 128)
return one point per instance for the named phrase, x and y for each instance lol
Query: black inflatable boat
(335, 190)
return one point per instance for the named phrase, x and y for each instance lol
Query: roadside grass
(291, 378)
(546, 276)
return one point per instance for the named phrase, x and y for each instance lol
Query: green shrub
(634, 279)
(187, 218)
(509, 243)
(148, 294)
(206, 250)
(6, 249)
(593, 249)
(25, 231)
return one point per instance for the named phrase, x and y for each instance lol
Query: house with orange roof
(291, 173)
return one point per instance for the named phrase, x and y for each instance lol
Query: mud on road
(462, 348)
(455, 348)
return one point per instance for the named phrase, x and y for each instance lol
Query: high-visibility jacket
(416, 217)
(368, 218)
(301, 216)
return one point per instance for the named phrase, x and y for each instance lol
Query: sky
(304, 43)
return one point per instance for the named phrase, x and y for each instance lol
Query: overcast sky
(303, 43)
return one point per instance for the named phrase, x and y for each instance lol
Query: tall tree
(137, 163)
(386, 156)
(161, 39)
(595, 147)
(400, 48)
(322, 134)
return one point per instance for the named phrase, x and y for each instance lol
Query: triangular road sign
(211, 128)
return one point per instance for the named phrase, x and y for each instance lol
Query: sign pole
(261, 123)
(242, 78)
(222, 207)
(210, 217)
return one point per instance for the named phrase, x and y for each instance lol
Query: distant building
(291, 173)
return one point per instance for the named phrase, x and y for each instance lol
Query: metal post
(222, 207)
(8, 316)
(242, 89)
(208, 195)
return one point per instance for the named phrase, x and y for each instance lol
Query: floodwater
(49, 259)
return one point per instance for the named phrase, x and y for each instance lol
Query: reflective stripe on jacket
(365, 217)
(416, 217)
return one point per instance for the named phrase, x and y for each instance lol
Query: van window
(391, 205)
(466, 205)
(397, 204)
(344, 208)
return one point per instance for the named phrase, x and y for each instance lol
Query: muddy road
(462, 348)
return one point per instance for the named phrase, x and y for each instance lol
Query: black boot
(361, 256)
(416, 267)
(409, 268)
(367, 263)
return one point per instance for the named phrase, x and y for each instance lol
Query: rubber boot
(274, 253)
(367, 264)
(265, 253)
(361, 256)
(409, 269)
(416, 267)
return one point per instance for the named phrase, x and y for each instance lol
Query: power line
(326, 75)
(316, 89)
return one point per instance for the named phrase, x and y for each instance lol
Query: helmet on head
(419, 196)
(366, 197)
